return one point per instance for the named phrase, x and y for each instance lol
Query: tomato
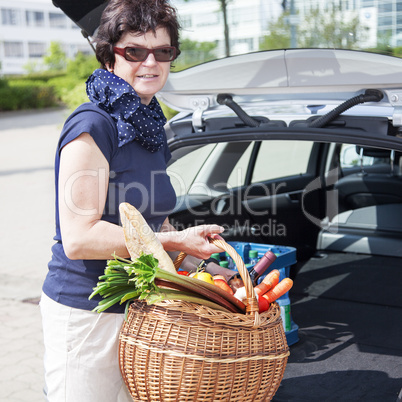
(204, 276)
(263, 304)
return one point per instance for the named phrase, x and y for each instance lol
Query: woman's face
(146, 77)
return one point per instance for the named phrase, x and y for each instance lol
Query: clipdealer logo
(259, 200)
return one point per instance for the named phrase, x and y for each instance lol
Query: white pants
(81, 354)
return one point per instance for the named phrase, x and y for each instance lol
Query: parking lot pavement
(27, 146)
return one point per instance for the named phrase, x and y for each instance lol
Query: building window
(385, 20)
(13, 49)
(57, 20)
(368, 3)
(35, 18)
(36, 49)
(385, 8)
(10, 16)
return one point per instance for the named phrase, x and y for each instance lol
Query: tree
(333, 28)
(55, 58)
(194, 53)
(223, 5)
(82, 66)
(279, 34)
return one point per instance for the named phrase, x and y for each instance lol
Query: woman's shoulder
(89, 118)
(91, 111)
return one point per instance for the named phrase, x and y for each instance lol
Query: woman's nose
(150, 60)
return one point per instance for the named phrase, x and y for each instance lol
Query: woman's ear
(109, 68)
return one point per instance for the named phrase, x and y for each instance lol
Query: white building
(248, 20)
(202, 21)
(26, 29)
(28, 26)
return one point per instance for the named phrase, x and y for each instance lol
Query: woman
(112, 149)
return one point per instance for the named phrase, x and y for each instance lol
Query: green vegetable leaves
(124, 281)
(143, 272)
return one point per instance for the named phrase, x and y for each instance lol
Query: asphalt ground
(27, 147)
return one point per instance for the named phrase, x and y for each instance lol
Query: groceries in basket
(145, 278)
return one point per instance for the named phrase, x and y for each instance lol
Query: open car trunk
(347, 307)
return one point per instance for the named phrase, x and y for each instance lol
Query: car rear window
(275, 159)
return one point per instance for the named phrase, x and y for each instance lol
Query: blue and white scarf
(134, 120)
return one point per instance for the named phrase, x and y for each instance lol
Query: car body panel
(86, 14)
(302, 75)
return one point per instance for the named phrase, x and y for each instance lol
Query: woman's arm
(83, 186)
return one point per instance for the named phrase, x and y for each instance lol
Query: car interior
(367, 193)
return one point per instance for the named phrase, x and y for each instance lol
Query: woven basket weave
(178, 351)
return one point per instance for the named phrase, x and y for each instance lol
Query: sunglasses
(167, 53)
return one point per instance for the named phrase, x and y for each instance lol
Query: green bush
(82, 66)
(41, 76)
(3, 83)
(75, 96)
(22, 95)
(70, 88)
(167, 111)
(64, 84)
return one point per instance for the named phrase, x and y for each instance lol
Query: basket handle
(251, 301)
(179, 259)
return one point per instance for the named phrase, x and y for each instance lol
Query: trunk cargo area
(349, 311)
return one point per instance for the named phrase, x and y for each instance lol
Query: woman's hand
(193, 241)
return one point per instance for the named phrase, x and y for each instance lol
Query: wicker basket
(177, 351)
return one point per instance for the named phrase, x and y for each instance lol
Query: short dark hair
(142, 16)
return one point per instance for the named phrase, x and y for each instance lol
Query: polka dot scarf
(134, 120)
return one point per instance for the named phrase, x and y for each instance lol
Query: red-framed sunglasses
(133, 53)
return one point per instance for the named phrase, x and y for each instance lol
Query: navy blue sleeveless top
(136, 176)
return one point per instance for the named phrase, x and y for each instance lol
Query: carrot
(221, 283)
(269, 282)
(279, 290)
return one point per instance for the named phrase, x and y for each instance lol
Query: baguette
(140, 238)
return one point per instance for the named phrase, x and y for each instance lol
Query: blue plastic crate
(285, 258)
